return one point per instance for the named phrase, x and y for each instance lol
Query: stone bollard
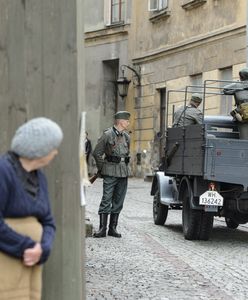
(88, 228)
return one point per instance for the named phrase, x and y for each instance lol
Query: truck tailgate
(226, 160)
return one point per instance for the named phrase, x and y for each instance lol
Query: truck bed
(217, 156)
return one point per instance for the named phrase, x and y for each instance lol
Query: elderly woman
(26, 224)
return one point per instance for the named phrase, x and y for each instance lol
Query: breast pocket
(111, 147)
(124, 149)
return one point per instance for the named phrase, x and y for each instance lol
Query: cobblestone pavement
(156, 262)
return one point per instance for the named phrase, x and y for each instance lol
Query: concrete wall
(41, 75)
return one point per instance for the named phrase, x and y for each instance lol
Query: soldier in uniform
(240, 92)
(112, 158)
(190, 114)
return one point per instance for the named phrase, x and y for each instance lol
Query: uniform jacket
(239, 90)
(112, 143)
(188, 115)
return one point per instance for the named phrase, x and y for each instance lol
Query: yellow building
(172, 44)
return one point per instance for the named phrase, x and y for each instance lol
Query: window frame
(196, 82)
(121, 9)
(157, 5)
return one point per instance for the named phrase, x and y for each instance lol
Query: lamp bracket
(133, 70)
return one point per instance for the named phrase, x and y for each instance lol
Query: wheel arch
(194, 199)
(184, 180)
(167, 188)
(154, 185)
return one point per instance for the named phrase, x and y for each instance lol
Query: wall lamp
(123, 82)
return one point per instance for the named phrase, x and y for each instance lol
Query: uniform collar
(117, 132)
(192, 105)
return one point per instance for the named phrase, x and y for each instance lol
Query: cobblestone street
(156, 262)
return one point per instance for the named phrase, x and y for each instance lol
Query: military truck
(204, 173)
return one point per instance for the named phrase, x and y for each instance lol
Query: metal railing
(205, 91)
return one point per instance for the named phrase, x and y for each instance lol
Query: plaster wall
(94, 16)
(172, 48)
(102, 99)
(181, 25)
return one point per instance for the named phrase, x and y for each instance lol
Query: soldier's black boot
(112, 226)
(103, 226)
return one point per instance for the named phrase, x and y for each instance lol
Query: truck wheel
(160, 211)
(191, 217)
(197, 224)
(207, 221)
(230, 223)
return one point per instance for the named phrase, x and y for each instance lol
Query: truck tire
(206, 227)
(191, 217)
(230, 223)
(197, 224)
(160, 211)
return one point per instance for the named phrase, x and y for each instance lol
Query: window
(117, 11)
(158, 10)
(196, 81)
(155, 5)
(226, 101)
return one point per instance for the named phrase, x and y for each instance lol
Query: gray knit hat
(36, 138)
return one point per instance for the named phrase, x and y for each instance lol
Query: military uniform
(239, 89)
(187, 115)
(240, 92)
(112, 159)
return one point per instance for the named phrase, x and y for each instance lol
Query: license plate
(210, 208)
(211, 198)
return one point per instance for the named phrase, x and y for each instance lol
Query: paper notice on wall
(84, 180)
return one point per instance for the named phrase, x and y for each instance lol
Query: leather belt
(117, 159)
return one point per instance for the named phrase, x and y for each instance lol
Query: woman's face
(45, 160)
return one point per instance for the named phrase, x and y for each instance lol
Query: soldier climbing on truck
(205, 170)
(189, 114)
(240, 92)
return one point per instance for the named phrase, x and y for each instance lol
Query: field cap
(124, 115)
(196, 98)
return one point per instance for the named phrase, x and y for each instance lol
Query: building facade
(171, 44)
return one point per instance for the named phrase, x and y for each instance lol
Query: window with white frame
(117, 11)
(156, 5)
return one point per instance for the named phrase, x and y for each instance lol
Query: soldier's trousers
(114, 192)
